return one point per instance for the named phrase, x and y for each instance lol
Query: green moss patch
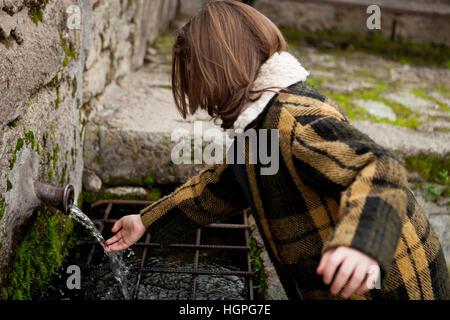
(432, 169)
(38, 257)
(29, 137)
(9, 185)
(163, 42)
(423, 95)
(2, 207)
(257, 268)
(91, 197)
(149, 182)
(405, 116)
(36, 8)
(444, 90)
(55, 155)
(74, 87)
(69, 48)
(58, 98)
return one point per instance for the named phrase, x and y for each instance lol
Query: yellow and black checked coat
(334, 187)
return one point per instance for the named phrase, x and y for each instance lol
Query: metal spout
(59, 198)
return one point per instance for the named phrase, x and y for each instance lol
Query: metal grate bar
(144, 256)
(249, 261)
(146, 244)
(196, 257)
(184, 246)
(214, 225)
(180, 270)
(121, 202)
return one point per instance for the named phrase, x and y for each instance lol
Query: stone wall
(314, 17)
(56, 56)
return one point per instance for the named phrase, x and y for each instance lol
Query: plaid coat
(334, 187)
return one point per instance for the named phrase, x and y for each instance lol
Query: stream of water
(121, 282)
(118, 267)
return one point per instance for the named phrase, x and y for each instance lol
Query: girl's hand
(360, 270)
(131, 230)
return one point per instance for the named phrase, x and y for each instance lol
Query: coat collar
(280, 70)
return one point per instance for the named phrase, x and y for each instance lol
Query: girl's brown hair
(216, 58)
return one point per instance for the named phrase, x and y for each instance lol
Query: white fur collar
(280, 70)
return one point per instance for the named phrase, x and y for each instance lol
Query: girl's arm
(204, 199)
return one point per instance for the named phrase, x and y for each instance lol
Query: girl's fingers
(114, 239)
(117, 226)
(359, 274)
(118, 246)
(364, 286)
(344, 273)
(323, 262)
(332, 263)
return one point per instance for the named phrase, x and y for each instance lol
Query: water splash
(118, 267)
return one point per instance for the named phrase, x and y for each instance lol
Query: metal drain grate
(145, 243)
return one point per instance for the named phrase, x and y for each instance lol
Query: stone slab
(405, 142)
(377, 109)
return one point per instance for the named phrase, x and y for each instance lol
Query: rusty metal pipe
(59, 198)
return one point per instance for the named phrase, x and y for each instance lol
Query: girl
(337, 209)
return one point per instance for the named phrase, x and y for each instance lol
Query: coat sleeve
(204, 199)
(336, 160)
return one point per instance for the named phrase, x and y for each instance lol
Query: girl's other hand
(129, 229)
(357, 269)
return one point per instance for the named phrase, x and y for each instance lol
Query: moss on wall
(38, 256)
(2, 207)
(74, 87)
(9, 185)
(36, 9)
(69, 48)
(28, 139)
(91, 197)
